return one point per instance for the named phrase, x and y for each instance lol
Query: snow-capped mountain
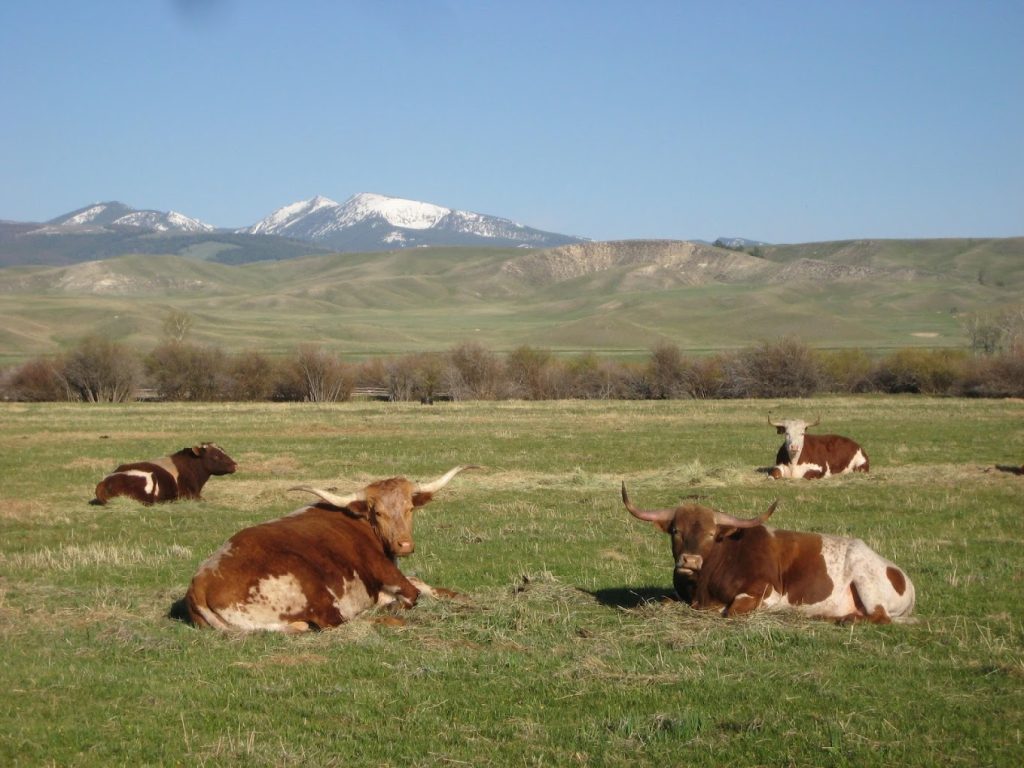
(114, 214)
(367, 222)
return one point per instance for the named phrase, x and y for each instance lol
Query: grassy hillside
(568, 648)
(618, 298)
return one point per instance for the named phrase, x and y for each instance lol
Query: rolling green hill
(614, 298)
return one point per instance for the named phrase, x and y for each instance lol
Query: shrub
(318, 376)
(39, 380)
(924, 371)
(188, 372)
(98, 370)
(249, 376)
(785, 368)
(846, 370)
(474, 373)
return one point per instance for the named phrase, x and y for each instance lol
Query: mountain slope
(371, 222)
(616, 298)
(114, 214)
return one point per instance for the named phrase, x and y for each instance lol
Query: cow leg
(435, 592)
(750, 601)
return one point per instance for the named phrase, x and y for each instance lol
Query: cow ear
(780, 430)
(419, 499)
(724, 532)
(197, 450)
(664, 525)
(358, 508)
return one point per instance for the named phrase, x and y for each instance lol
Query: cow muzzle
(403, 548)
(689, 564)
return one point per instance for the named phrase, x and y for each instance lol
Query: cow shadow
(1015, 470)
(632, 597)
(179, 612)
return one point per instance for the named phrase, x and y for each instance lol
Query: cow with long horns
(319, 566)
(740, 565)
(814, 456)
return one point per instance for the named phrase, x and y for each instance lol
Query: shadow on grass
(632, 597)
(1010, 470)
(179, 612)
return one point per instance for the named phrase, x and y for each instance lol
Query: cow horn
(442, 481)
(333, 499)
(815, 423)
(723, 518)
(650, 515)
(772, 422)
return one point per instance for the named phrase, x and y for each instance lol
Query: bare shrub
(533, 374)
(591, 378)
(923, 371)
(39, 380)
(249, 376)
(418, 376)
(188, 372)
(474, 373)
(846, 370)
(101, 371)
(320, 376)
(995, 376)
(666, 372)
(704, 377)
(784, 368)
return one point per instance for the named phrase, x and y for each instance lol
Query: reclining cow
(740, 565)
(319, 566)
(814, 456)
(181, 475)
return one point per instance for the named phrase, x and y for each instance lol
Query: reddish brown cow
(740, 565)
(814, 456)
(181, 475)
(319, 566)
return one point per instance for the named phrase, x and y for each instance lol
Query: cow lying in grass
(181, 475)
(739, 565)
(319, 566)
(814, 456)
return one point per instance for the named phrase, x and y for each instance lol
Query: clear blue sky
(781, 121)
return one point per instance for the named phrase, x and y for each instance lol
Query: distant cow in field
(814, 456)
(319, 566)
(740, 565)
(181, 475)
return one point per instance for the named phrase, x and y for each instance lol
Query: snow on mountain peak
(408, 214)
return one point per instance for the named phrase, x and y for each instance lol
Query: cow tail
(199, 613)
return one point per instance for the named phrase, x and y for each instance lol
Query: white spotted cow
(318, 567)
(814, 456)
(738, 566)
(181, 475)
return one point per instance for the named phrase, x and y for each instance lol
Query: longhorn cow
(319, 566)
(740, 565)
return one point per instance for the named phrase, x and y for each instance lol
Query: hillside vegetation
(614, 298)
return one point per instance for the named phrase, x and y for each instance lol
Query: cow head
(794, 430)
(213, 459)
(695, 530)
(388, 506)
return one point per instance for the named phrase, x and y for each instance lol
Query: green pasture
(566, 647)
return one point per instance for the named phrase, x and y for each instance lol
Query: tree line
(101, 370)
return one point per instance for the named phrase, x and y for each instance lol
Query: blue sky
(781, 121)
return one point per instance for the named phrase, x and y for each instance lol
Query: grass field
(566, 649)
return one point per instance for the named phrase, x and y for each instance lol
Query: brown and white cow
(740, 565)
(181, 475)
(319, 566)
(814, 456)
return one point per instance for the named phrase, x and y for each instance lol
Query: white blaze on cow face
(794, 430)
